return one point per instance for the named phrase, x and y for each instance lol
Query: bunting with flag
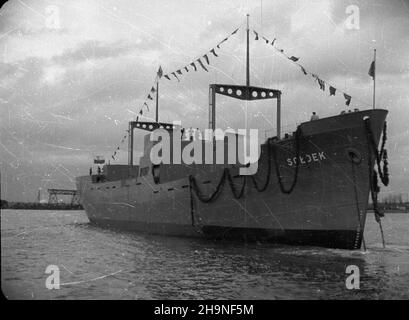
(205, 57)
(202, 65)
(194, 66)
(322, 84)
(160, 74)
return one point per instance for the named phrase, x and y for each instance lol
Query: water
(97, 263)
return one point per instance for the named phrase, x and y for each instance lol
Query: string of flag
(117, 149)
(152, 91)
(140, 113)
(322, 83)
(202, 61)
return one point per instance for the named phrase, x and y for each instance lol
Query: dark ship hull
(327, 206)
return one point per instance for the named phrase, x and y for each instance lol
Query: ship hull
(327, 206)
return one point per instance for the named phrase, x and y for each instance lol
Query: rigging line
(308, 71)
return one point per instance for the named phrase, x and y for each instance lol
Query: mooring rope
(267, 182)
(297, 154)
(361, 228)
(193, 185)
(381, 155)
(226, 175)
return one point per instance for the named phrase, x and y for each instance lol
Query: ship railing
(288, 130)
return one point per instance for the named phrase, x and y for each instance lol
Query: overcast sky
(73, 73)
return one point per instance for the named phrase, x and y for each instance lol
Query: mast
(374, 77)
(157, 101)
(248, 55)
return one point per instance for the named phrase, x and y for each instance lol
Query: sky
(73, 73)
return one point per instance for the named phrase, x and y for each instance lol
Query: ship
(311, 186)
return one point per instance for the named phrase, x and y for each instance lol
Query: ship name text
(307, 158)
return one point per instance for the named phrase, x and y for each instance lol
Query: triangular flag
(153, 90)
(175, 76)
(347, 99)
(178, 71)
(187, 70)
(160, 72)
(256, 35)
(303, 70)
(295, 59)
(166, 76)
(145, 104)
(214, 53)
(321, 83)
(272, 42)
(235, 31)
(207, 58)
(371, 71)
(266, 40)
(202, 65)
(332, 91)
(194, 66)
(150, 97)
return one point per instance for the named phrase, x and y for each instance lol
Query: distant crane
(53, 193)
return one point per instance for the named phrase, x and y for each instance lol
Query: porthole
(354, 155)
(254, 94)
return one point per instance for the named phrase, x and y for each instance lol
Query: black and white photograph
(204, 155)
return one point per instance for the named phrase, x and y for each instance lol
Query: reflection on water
(97, 263)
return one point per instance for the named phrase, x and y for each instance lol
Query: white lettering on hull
(307, 158)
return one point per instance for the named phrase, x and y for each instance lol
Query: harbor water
(96, 263)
